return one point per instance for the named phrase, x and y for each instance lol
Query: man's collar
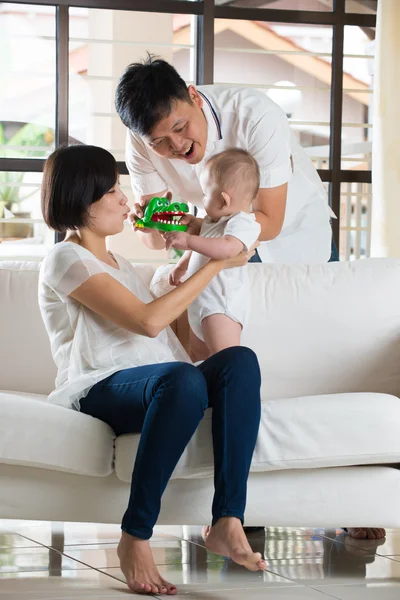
(214, 124)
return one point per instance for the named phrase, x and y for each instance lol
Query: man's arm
(269, 209)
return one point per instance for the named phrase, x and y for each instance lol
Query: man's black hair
(146, 93)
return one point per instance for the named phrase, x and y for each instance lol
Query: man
(174, 129)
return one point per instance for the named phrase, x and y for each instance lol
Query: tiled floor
(52, 561)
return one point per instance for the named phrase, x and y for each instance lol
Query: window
(313, 57)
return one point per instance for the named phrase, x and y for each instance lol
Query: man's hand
(177, 239)
(175, 276)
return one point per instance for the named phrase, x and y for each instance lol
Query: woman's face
(108, 214)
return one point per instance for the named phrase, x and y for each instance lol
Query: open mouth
(189, 152)
(169, 217)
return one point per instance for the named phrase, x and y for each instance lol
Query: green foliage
(10, 182)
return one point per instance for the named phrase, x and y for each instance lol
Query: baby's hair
(235, 167)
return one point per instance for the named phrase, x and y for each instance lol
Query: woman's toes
(171, 589)
(135, 586)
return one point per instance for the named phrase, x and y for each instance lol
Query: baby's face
(214, 204)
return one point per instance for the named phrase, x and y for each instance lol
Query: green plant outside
(10, 182)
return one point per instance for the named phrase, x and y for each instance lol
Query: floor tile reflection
(374, 591)
(38, 559)
(81, 562)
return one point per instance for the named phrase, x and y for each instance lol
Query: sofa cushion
(298, 433)
(322, 329)
(38, 434)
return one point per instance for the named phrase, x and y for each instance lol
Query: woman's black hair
(75, 177)
(147, 92)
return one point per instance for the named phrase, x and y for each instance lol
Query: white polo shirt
(247, 118)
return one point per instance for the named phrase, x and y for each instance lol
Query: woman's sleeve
(66, 269)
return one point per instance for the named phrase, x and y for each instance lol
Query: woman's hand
(240, 259)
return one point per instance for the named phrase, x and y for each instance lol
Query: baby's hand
(176, 239)
(175, 276)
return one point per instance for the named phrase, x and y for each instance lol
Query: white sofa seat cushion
(35, 433)
(298, 433)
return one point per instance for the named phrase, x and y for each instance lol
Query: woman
(118, 362)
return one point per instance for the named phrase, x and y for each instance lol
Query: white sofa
(328, 341)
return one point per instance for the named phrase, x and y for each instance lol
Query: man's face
(183, 134)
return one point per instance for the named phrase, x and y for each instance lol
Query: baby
(230, 183)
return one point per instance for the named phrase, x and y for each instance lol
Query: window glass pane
(323, 5)
(22, 231)
(290, 63)
(355, 220)
(102, 44)
(27, 80)
(365, 7)
(358, 78)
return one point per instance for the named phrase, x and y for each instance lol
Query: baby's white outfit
(228, 293)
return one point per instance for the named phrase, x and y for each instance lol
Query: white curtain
(386, 134)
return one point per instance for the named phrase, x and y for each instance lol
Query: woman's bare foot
(137, 564)
(366, 533)
(227, 538)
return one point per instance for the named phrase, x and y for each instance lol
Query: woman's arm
(111, 300)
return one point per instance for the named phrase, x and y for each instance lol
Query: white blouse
(86, 347)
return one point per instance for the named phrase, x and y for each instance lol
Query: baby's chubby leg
(220, 332)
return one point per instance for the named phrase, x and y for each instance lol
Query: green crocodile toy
(163, 215)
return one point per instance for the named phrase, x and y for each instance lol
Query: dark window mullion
(160, 6)
(335, 144)
(204, 44)
(62, 66)
(62, 75)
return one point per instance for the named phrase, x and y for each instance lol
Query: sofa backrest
(26, 364)
(316, 329)
(327, 328)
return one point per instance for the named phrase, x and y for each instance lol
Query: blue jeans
(165, 403)
(334, 252)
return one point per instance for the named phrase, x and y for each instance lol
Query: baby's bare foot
(139, 569)
(227, 538)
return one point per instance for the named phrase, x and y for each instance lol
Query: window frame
(206, 12)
